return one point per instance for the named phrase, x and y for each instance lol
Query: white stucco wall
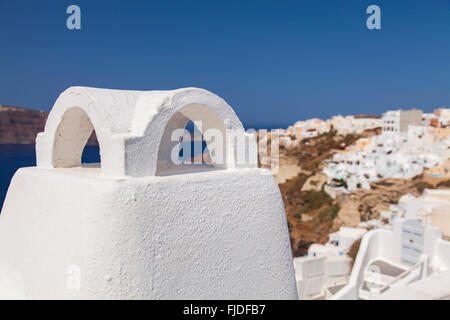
(176, 237)
(130, 126)
(197, 233)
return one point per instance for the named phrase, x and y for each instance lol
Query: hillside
(312, 214)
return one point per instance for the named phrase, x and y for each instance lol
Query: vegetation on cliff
(312, 214)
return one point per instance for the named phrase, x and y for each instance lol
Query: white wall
(371, 246)
(211, 235)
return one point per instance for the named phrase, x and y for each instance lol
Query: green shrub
(296, 184)
(315, 199)
(330, 213)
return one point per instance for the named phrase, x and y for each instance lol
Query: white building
(426, 119)
(385, 156)
(406, 257)
(326, 268)
(311, 128)
(441, 118)
(399, 120)
(433, 207)
(353, 124)
(394, 263)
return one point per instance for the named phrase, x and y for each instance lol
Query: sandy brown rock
(315, 182)
(288, 169)
(20, 126)
(363, 205)
(349, 214)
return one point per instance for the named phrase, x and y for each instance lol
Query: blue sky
(274, 62)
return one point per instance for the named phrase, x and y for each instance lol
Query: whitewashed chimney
(135, 226)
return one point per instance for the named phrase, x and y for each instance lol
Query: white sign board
(412, 241)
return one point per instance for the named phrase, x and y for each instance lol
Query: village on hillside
(348, 175)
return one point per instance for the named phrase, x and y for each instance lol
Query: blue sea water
(13, 157)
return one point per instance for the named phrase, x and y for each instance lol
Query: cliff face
(21, 125)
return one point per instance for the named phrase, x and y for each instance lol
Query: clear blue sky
(273, 62)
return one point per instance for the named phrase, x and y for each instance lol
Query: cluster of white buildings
(313, 127)
(301, 130)
(406, 256)
(395, 121)
(354, 124)
(411, 260)
(384, 156)
(433, 207)
(403, 150)
(400, 120)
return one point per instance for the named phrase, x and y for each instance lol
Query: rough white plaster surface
(206, 235)
(129, 126)
(194, 233)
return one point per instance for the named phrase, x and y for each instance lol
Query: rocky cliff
(21, 125)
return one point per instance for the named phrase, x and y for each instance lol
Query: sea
(13, 157)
